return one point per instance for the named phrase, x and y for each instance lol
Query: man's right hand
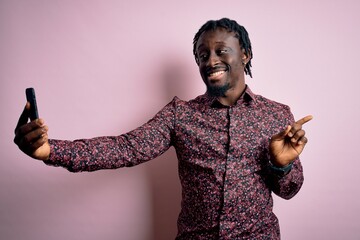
(32, 137)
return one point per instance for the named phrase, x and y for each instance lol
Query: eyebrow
(201, 45)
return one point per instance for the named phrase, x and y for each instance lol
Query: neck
(232, 95)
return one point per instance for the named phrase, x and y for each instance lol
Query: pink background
(105, 67)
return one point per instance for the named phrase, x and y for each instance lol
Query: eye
(222, 51)
(203, 56)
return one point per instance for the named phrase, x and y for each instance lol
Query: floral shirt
(223, 159)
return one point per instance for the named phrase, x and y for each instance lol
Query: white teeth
(214, 74)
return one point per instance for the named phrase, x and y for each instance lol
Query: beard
(218, 91)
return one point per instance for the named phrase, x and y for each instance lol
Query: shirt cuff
(280, 171)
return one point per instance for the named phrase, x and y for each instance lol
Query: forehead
(217, 36)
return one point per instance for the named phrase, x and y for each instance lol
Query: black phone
(30, 97)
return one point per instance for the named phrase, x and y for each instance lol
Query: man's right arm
(140, 145)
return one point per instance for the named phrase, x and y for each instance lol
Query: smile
(215, 74)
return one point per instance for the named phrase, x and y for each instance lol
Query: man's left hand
(287, 145)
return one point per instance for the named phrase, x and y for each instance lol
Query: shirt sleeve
(288, 185)
(137, 146)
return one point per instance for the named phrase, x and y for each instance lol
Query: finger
(28, 142)
(295, 127)
(39, 142)
(23, 119)
(298, 125)
(304, 120)
(298, 135)
(303, 141)
(282, 135)
(28, 127)
(28, 132)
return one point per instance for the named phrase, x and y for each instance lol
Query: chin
(218, 90)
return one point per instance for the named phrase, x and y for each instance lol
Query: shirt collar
(247, 96)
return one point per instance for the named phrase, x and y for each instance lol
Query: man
(234, 147)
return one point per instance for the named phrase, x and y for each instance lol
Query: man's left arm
(285, 169)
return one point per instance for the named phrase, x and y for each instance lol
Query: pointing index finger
(304, 120)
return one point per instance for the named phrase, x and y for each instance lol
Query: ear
(246, 57)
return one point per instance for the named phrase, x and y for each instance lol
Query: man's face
(220, 60)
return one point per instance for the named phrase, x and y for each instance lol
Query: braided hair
(231, 26)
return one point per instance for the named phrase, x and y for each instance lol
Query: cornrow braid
(231, 26)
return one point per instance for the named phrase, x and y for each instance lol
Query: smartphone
(30, 97)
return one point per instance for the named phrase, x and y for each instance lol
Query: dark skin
(221, 65)
(222, 61)
(32, 137)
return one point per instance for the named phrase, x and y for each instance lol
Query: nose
(213, 60)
